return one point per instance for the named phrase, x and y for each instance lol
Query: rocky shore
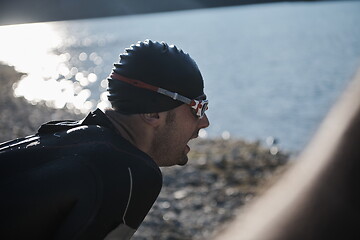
(196, 200)
(201, 198)
(18, 118)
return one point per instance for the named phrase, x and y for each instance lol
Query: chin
(183, 161)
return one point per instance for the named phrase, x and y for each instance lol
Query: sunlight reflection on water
(35, 49)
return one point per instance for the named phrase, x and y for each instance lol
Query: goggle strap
(134, 82)
(174, 95)
(143, 85)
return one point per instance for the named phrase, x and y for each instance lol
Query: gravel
(200, 198)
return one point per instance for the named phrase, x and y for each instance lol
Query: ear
(152, 119)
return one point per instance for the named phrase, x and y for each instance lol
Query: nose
(204, 122)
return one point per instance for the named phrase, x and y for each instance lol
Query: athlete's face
(171, 144)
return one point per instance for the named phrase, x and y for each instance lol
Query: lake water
(269, 69)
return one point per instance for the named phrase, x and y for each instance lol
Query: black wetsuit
(75, 180)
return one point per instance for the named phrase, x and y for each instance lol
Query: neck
(131, 128)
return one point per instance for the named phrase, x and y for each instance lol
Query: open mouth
(187, 148)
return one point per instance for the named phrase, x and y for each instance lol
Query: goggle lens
(200, 106)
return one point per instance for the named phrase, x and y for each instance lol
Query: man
(97, 178)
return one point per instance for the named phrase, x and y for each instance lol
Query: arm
(127, 191)
(144, 190)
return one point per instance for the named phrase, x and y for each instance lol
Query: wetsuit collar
(98, 117)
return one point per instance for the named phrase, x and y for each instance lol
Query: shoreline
(197, 199)
(45, 11)
(18, 118)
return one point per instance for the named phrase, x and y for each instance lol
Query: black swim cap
(157, 64)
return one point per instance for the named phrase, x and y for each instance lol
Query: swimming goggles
(200, 106)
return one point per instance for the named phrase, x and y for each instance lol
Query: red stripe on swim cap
(134, 82)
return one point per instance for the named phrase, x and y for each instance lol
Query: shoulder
(103, 146)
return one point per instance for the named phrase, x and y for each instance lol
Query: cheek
(184, 127)
(187, 131)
